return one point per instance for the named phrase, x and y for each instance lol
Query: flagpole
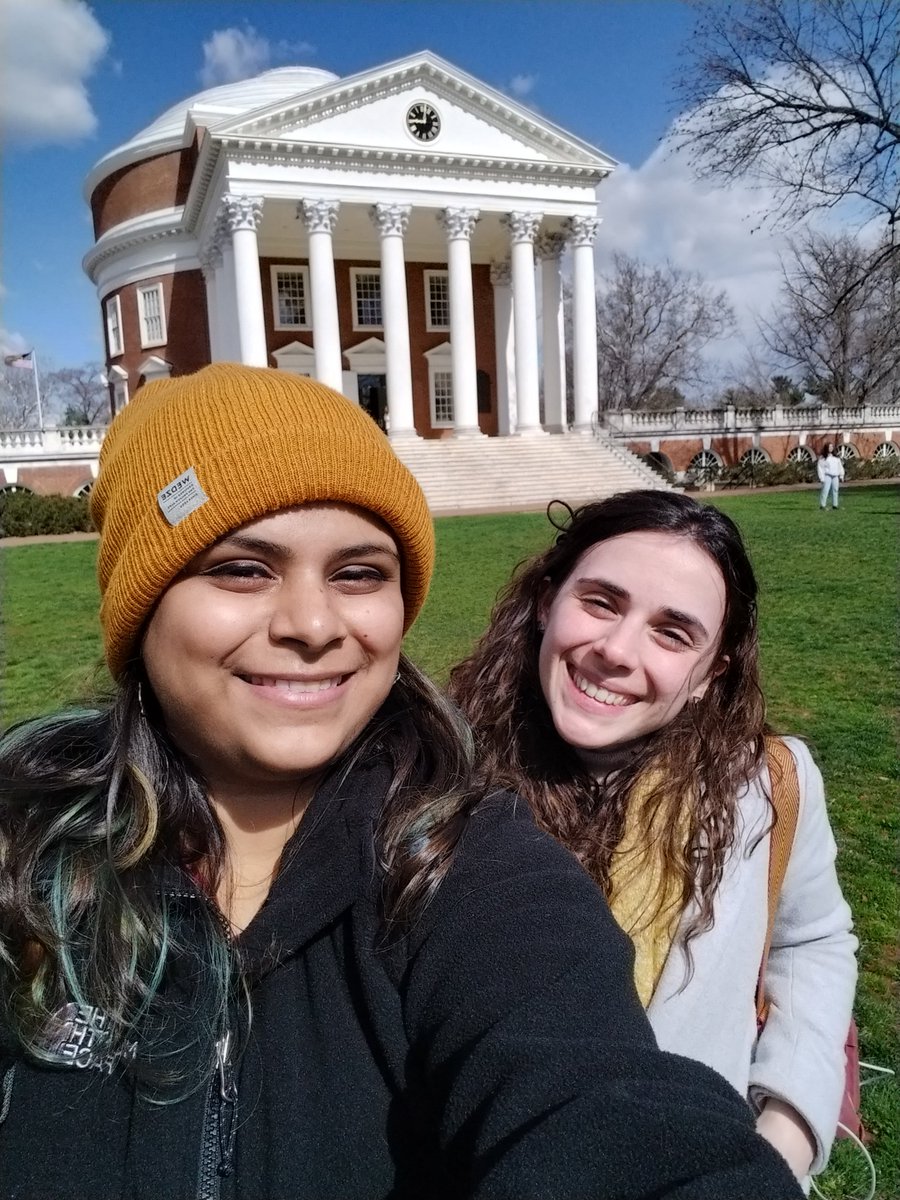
(37, 390)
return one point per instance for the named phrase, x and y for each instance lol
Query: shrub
(22, 514)
(872, 468)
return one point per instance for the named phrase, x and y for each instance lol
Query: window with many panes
(152, 315)
(114, 326)
(442, 398)
(366, 299)
(437, 300)
(290, 297)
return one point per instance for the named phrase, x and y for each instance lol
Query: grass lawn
(829, 610)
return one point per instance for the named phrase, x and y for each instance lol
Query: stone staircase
(517, 474)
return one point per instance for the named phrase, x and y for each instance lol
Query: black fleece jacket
(498, 1051)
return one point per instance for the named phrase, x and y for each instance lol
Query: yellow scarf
(644, 898)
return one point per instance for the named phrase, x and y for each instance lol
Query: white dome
(214, 104)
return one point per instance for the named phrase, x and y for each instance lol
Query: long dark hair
(708, 753)
(94, 802)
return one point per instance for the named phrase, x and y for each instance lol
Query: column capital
(390, 220)
(319, 216)
(501, 273)
(522, 226)
(549, 245)
(241, 212)
(582, 231)
(458, 223)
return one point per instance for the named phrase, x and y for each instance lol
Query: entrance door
(373, 397)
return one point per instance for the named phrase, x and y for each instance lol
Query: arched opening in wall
(15, 489)
(801, 454)
(886, 450)
(703, 469)
(846, 451)
(754, 457)
(661, 463)
(85, 489)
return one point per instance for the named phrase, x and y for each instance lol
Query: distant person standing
(831, 472)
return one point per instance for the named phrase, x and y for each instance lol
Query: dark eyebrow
(364, 548)
(671, 614)
(255, 545)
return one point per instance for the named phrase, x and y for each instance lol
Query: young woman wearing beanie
(617, 690)
(260, 936)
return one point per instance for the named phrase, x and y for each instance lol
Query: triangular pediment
(368, 112)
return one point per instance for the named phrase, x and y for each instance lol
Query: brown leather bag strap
(785, 792)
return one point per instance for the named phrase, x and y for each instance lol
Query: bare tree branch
(653, 324)
(801, 94)
(838, 320)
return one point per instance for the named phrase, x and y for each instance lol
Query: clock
(423, 121)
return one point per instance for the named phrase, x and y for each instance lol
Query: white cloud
(50, 49)
(233, 54)
(521, 86)
(659, 212)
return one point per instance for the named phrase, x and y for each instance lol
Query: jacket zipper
(219, 1123)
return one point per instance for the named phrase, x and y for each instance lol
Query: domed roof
(217, 104)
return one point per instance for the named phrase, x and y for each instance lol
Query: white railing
(634, 422)
(63, 442)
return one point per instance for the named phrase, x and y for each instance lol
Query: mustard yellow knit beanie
(191, 458)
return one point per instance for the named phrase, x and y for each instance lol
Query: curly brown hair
(709, 753)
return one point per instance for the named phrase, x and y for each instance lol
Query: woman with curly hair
(617, 690)
(261, 935)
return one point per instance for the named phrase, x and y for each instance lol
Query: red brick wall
(777, 446)
(420, 339)
(50, 481)
(144, 187)
(187, 347)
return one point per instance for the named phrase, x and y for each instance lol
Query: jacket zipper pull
(227, 1104)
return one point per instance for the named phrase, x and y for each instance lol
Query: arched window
(704, 467)
(801, 454)
(11, 489)
(887, 450)
(754, 457)
(846, 451)
(85, 489)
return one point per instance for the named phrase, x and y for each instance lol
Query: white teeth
(599, 693)
(296, 685)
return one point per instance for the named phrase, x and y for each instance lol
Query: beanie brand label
(181, 497)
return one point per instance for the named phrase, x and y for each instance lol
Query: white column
(320, 217)
(523, 227)
(549, 248)
(582, 231)
(458, 224)
(226, 297)
(211, 265)
(242, 217)
(391, 221)
(501, 277)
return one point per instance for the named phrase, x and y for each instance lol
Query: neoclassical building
(394, 234)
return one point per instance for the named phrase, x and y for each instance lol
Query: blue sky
(83, 78)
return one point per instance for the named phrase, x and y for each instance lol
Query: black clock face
(423, 122)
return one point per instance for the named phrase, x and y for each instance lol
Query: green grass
(829, 619)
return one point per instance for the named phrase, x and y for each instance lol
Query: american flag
(23, 361)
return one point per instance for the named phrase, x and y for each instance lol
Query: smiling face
(274, 647)
(630, 637)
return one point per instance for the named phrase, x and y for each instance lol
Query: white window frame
(439, 363)
(143, 291)
(355, 273)
(118, 378)
(114, 333)
(290, 269)
(429, 276)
